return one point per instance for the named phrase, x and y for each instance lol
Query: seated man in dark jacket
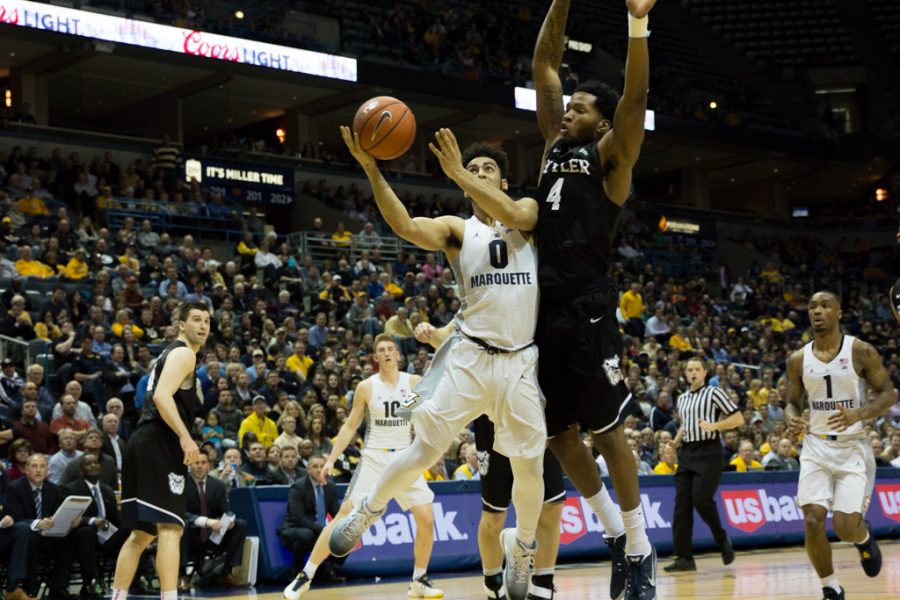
(100, 515)
(13, 547)
(33, 500)
(207, 503)
(305, 518)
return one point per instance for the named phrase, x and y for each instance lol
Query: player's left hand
(449, 154)
(639, 8)
(843, 418)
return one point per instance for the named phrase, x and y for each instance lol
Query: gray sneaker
(519, 564)
(349, 531)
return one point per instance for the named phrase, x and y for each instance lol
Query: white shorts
(369, 470)
(838, 475)
(465, 381)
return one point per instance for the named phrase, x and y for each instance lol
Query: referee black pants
(698, 476)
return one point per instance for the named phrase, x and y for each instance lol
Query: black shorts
(153, 479)
(496, 472)
(579, 370)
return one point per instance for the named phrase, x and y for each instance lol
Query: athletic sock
(526, 536)
(543, 578)
(865, 540)
(169, 595)
(636, 541)
(494, 580)
(832, 582)
(492, 572)
(119, 594)
(418, 572)
(607, 513)
(310, 569)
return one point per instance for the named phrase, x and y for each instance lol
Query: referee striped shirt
(708, 404)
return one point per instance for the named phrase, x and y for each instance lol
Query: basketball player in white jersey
(837, 466)
(377, 400)
(488, 366)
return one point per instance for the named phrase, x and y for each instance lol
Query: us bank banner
(120, 30)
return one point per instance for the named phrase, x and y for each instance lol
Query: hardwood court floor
(775, 573)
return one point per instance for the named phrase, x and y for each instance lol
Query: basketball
(386, 127)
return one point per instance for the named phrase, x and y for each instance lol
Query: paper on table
(216, 536)
(70, 509)
(102, 536)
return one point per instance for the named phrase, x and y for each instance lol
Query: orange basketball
(386, 127)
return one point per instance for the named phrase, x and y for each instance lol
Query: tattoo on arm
(550, 46)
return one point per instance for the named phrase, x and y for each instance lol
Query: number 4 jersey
(832, 384)
(496, 270)
(576, 218)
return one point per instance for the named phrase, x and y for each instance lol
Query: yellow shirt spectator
(394, 290)
(131, 262)
(397, 327)
(119, 328)
(74, 270)
(46, 332)
(32, 207)
(299, 365)
(33, 268)
(341, 238)
(664, 469)
(678, 342)
(265, 429)
(632, 304)
(744, 461)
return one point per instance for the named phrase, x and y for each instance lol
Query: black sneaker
(641, 580)
(681, 565)
(727, 552)
(494, 588)
(619, 566)
(870, 554)
(830, 594)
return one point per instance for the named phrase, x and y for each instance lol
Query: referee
(705, 411)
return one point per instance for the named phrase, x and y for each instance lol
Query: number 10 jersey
(385, 430)
(496, 271)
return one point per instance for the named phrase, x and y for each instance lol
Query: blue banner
(756, 509)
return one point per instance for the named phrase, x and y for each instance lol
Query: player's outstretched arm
(521, 215)
(180, 365)
(621, 146)
(794, 409)
(866, 357)
(548, 55)
(428, 234)
(350, 427)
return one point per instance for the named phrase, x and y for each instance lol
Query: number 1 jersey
(496, 270)
(576, 218)
(832, 384)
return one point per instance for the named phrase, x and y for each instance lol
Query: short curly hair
(607, 99)
(490, 151)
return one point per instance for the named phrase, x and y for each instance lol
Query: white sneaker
(422, 588)
(349, 530)
(297, 587)
(519, 564)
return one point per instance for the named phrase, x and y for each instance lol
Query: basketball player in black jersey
(591, 147)
(154, 467)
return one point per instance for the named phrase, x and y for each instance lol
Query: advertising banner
(756, 509)
(245, 183)
(120, 30)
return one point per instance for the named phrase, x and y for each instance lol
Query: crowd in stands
(292, 333)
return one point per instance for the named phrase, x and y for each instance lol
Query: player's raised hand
(797, 425)
(448, 154)
(843, 418)
(639, 8)
(423, 332)
(352, 140)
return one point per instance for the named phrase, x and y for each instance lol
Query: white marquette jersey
(497, 274)
(832, 384)
(384, 428)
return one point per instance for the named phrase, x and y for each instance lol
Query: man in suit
(113, 444)
(13, 547)
(309, 501)
(783, 461)
(102, 513)
(287, 472)
(33, 500)
(207, 502)
(93, 443)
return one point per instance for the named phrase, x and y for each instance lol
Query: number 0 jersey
(496, 270)
(384, 428)
(575, 219)
(832, 384)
